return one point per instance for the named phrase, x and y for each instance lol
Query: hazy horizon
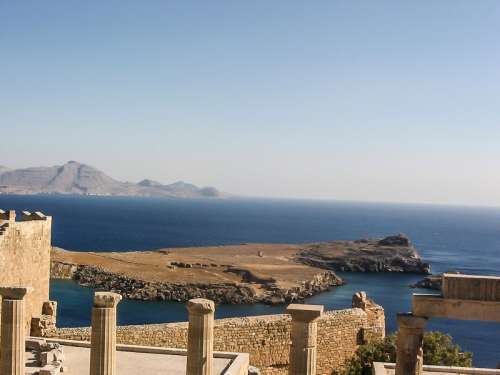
(359, 101)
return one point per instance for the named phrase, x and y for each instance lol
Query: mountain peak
(148, 183)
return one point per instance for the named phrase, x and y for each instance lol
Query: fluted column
(103, 338)
(304, 338)
(409, 355)
(13, 331)
(200, 337)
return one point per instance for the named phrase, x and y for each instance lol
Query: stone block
(471, 287)
(106, 299)
(49, 308)
(50, 369)
(34, 344)
(15, 292)
(51, 356)
(43, 326)
(305, 313)
(434, 306)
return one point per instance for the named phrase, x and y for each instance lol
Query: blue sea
(466, 239)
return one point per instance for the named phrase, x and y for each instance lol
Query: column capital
(200, 306)
(305, 313)
(408, 320)
(106, 299)
(15, 292)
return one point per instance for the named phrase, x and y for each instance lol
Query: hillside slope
(77, 178)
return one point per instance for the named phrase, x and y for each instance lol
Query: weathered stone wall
(25, 257)
(266, 338)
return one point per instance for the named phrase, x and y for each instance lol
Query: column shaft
(409, 357)
(303, 348)
(200, 337)
(12, 355)
(304, 338)
(103, 349)
(103, 338)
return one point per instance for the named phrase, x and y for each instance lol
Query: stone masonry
(267, 338)
(25, 246)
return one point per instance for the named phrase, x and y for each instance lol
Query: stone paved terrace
(132, 360)
(380, 368)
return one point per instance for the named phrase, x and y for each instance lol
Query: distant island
(77, 178)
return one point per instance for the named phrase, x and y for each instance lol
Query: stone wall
(265, 338)
(25, 256)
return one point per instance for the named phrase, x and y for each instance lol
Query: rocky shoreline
(432, 282)
(389, 254)
(235, 274)
(226, 293)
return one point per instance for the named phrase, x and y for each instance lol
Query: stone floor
(133, 360)
(388, 369)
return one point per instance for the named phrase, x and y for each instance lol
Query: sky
(395, 101)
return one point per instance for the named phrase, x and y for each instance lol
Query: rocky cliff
(229, 293)
(389, 254)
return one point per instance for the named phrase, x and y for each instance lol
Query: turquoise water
(449, 238)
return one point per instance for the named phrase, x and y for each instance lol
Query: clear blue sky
(362, 100)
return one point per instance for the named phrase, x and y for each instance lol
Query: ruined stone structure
(103, 340)
(265, 338)
(200, 344)
(25, 246)
(307, 341)
(13, 331)
(464, 297)
(303, 350)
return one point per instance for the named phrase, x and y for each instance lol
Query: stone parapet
(266, 338)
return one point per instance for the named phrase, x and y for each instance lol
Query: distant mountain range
(77, 178)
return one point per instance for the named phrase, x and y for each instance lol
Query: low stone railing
(304, 341)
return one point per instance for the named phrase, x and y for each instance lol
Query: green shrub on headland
(439, 349)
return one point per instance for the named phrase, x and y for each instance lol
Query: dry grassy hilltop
(245, 273)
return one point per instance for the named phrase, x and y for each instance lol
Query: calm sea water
(450, 238)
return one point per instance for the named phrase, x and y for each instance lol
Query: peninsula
(245, 273)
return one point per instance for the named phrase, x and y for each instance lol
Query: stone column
(103, 338)
(409, 357)
(304, 338)
(200, 337)
(13, 331)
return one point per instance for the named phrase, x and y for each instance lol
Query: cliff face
(390, 254)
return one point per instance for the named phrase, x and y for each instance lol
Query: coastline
(237, 274)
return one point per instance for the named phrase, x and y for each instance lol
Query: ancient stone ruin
(25, 244)
(463, 297)
(300, 342)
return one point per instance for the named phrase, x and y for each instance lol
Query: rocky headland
(245, 273)
(390, 254)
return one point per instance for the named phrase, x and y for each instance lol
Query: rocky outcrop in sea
(389, 254)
